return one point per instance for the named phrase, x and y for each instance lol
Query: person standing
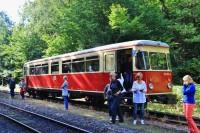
(22, 86)
(116, 89)
(189, 102)
(139, 89)
(64, 88)
(12, 85)
(108, 96)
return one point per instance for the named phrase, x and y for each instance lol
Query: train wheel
(34, 94)
(98, 101)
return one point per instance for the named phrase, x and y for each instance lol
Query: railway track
(170, 118)
(24, 127)
(151, 115)
(36, 123)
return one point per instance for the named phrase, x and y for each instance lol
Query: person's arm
(120, 86)
(144, 89)
(189, 90)
(20, 84)
(106, 91)
(63, 85)
(134, 88)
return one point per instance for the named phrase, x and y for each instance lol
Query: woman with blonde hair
(189, 102)
(139, 89)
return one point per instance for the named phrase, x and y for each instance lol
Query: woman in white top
(139, 89)
(64, 88)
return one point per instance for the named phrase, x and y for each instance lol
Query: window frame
(159, 69)
(90, 59)
(76, 61)
(105, 61)
(55, 63)
(64, 62)
(148, 66)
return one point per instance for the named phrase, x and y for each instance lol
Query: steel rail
(72, 127)
(20, 123)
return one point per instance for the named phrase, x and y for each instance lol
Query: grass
(177, 108)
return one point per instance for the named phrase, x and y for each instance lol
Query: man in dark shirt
(116, 89)
(12, 84)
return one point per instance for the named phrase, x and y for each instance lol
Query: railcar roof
(107, 47)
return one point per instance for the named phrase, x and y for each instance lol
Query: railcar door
(124, 60)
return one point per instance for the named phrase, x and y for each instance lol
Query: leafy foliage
(50, 27)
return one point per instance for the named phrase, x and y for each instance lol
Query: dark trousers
(115, 107)
(109, 106)
(135, 110)
(22, 95)
(65, 102)
(12, 92)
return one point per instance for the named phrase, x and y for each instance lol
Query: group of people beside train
(115, 89)
(114, 92)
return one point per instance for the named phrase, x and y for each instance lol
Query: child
(22, 86)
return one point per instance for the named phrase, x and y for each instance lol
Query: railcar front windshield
(152, 60)
(158, 61)
(142, 60)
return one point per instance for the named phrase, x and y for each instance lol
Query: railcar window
(78, 65)
(92, 64)
(25, 71)
(158, 61)
(54, 68)
(38, 70)
(45, 69)
(32, 70)
(169, 61)
(66, 66)
(109, 62)
(142, 60)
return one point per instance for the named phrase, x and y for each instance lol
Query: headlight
(170, 85)
(151, 86)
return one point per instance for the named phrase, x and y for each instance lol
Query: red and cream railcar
(88, 70)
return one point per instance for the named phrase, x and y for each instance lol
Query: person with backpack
(22, 86)
(12, 85)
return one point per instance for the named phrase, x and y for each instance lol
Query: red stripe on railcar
(96, 82)
(78, 81)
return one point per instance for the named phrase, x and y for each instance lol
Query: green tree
(5, 28)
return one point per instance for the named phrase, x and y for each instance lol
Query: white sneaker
(142, 122)
(117, 118)
(110, 118)
(134, 122)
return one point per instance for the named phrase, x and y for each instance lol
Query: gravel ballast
(87, 123)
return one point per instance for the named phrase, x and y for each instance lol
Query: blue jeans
(65, 102)
(110, 99)
(115, 107)
(135, 110)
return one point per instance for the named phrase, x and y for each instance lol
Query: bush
(191, 67)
